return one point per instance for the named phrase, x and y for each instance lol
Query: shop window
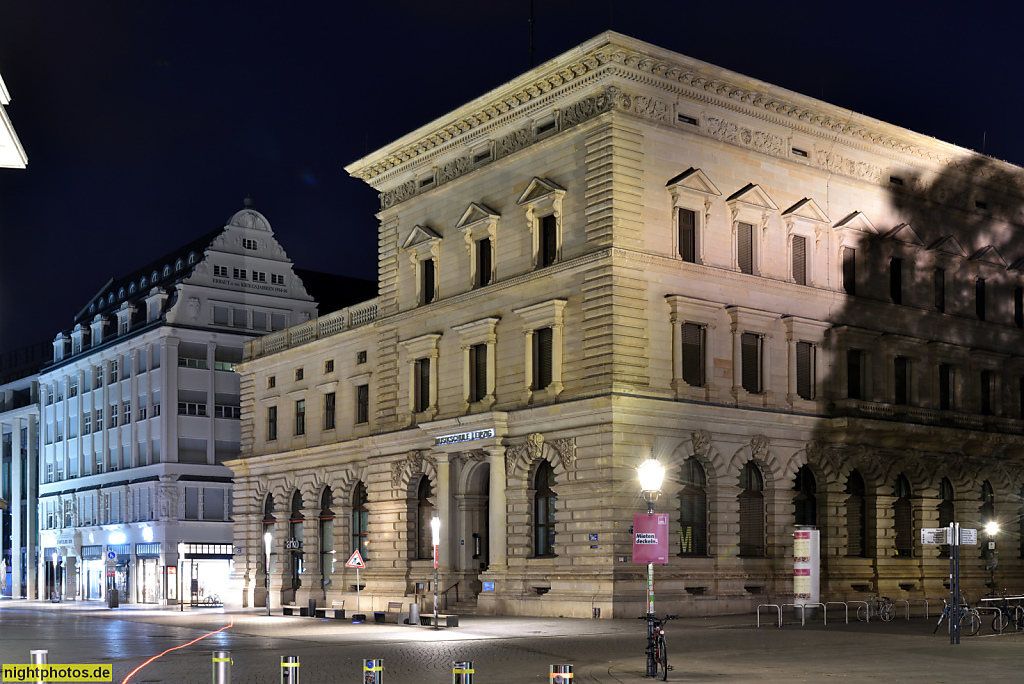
(693, 510)
(751, 500)
(295, 523)
(544, 511)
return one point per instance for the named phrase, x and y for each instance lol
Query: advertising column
(806, 564)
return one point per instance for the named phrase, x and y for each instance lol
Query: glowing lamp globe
(651, 474)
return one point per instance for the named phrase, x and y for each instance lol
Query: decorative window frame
(843, 339)
(811, 331)
(547, 314)
(982, 360)
(423, 244)
(542, 198)
(682, 310)
(958, 359)
(478, 222)
(807, 220)
(854, 231)
(356, 381)
(750, 204)
(692, 190)
(324, 389)
(746, 320)
(471, 334)
(422, 347)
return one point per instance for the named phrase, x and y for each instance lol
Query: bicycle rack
(768, 605)
(867, 608)
(803, 610)
(907, 604)
(925, 602)
(846, 609)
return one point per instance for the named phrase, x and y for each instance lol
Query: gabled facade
(682, 261)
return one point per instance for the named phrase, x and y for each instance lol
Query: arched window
(167, 271)
(154, 277)
(987, 512)
(142, 283)
(191, 258)
(424, 513)
(131, 289)
(295, 532)
(360, 520)
(544, 511)
(805, 503)
(326, 537)
(751, 511)
(693, 510)
(120, 293)
(856, 517)
(903, 518)
(268, 522)
(945, 509)
(110, 298)
(92, 308)
(178, 265)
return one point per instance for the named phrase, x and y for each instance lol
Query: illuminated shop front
(93, 572)
(205, 570)
(147, 573)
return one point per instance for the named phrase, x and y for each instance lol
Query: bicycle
(883, 607)
(657, 649)
(1008, 615)
(970, 618)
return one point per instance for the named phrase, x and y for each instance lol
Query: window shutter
(1018, 307)
(693, 354)
(428, 280)
(900, 380)
(800, 260)
(423, 385)
(945, 385)
(896, 280)
(904, 526)
(853, 373)
(542, 358)
(548, 243)
(940, 290)
(479, 372)
(986, 392)
(850, 270)
(979, 298)
(750, 362)
(751, 523)
(805, 370)
(855, 525)
(687, 235)
(745, 247)
(483, 265)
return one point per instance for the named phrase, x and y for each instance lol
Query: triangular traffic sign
(355, 561)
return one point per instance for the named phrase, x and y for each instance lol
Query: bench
(295, 609)
(336, 611)
(427, 619)
(393, 614)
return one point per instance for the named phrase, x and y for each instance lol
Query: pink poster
(650, 538)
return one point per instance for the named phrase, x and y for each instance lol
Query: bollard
(222, 667)
(462, 672)
(373, 671)
(38, 658)
(560, 674)
(289, 670)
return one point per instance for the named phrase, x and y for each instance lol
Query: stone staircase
(466, 605)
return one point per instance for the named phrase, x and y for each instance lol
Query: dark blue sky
(147, 122)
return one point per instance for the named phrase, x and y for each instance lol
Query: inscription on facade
(464, 437)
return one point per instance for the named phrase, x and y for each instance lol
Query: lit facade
(12, 154)
(808, 317)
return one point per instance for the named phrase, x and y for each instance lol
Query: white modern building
(141, 406)
(12, 154)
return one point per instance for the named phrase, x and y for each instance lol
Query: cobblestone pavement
(503, 650)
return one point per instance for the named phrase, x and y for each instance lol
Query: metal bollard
(462, 672)
(560, 674)
(289, 670)
(373, 671)
(38, 658)
(222, 667)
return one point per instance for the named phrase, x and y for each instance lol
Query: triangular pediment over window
(990, 255)
(806, 209)
(858, 221)
(905, 234)
(948, 245)
(752, 195)
(477, 212)
(420, 235)
(693, 179)
(539, 188)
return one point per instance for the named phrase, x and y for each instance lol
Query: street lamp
(435, 527)
(992, 557)
(266, 567)
(181, 569)
(651, 474)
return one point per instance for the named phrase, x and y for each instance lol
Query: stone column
(15, 509)
(791, 390)
(211, 398)
(497, 529)
(737, 366)
(33, 505)
(169, 401)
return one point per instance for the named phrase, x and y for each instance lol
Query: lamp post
(992, 557)
(651, 473)
(266, 567)
(181, 569)
(435, 527)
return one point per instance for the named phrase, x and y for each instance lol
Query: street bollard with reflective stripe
(222, 667)
(560, 674)
(289, 670)
(462, 672)
(38, 658)
(373, 671)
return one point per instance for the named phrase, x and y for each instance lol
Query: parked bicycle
(883, 607)
(657, 649)
(1008, 615)
(969, 618)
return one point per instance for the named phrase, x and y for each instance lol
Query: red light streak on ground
(175, 649)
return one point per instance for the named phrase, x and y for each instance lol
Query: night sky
(146, 123)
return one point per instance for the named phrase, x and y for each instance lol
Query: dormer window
(142, 283)
(154, 276)
(167, 271)
(178, 265)
(92, 308)
(249, 243)
(120, 293)
(191, 258)
(131, 289)
(110, 298)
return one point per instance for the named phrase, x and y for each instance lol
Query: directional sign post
(356, 561)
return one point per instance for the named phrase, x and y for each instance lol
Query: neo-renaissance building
(810, 317)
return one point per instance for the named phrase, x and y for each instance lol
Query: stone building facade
(808, 316)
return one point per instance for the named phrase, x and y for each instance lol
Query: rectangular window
(422, 402)
(271, 423)
(854, 373)
(188, 408)
(278, 321)
(805, 370)
(693, 354)
(849, 270)
(896, 280)
(1018, 307)
(240, 318)
(427, 280)
(123, 326)
(72, 387)
(126, 413)
(979, 298)
(799, 260)
(156, 408)
(191, 503)
(548, 242)
(542, 355)
(300, 417)
(330, 410)
(361, 357)
(99, 419)
(483, 262)
(259, 277)
(687, 235)
(249, 243)
(362, 404)
(113, 371)
(477, 372)
(87, 423)
(945, 387)
(113, 415)
(329, 366)
(259, 320)
(271, 382)
(220, 271)
(185, 362)
(986, 393)
(745, 247)
(222, 411)
(750, 362)
(299, 373)
(142, 413)
(901, 380)
(940, 290)
(220, 315)
(276, 279)
(239, 274)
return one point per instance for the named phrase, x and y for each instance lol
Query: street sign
(355, 561)
(968, 537)
(111, 555)
(935, 535)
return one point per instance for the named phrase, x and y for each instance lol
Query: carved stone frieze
(414, 462)
(512, 142)
(836, 163)
(533, 449)
(565, 447)
(744, 136)
(701, 441)
(474, 456)
(586, 109)
(451, 170)
(399, 194)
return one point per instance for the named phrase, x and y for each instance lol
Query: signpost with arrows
(356, 561)
(955, 537)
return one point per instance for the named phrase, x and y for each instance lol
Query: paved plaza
(504, 650)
